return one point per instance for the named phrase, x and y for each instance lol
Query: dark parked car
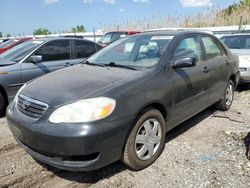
(113, 36)
(34, 58)
(240, 45)
(121, 102)
(11, 43)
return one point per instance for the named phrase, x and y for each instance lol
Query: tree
(41, 31)
(78, 29)
(1, 35)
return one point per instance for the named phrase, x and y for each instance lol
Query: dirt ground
(208, 150)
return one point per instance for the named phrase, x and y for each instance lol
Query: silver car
(35, 58)
(240, 45)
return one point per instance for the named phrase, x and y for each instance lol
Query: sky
(23, 16)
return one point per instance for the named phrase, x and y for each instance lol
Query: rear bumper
(245, 76)
(81, 147)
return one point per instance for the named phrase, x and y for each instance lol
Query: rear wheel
(146, 140)
(226, 102)
(2, 104)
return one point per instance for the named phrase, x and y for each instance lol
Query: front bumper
(74, 147)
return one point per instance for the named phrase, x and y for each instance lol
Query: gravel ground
(206, 151)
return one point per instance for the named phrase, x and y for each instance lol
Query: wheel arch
(3, 92)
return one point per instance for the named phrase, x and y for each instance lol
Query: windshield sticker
(161, 37)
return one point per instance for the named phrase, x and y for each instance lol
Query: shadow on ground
(189, 123)
(117, 167)
(243, 87)
(247, 144)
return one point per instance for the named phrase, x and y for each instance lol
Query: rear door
(55, 54)
(218, 63)
(190, 84)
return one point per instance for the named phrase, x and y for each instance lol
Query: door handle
(227, 62)
(206, 70)
(68, 64)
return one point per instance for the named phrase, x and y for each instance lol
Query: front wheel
(146, 140)
(227, 99)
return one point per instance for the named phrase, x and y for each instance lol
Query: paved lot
(205, 151)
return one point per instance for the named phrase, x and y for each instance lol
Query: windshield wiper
(94, 64)
(113, 64)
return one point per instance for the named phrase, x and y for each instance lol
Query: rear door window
(212, 47)
(84, 49)
(55, 50)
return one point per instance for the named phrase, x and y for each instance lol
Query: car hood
(6, 62)
(77, 82)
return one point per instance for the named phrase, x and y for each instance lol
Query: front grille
(31, 107)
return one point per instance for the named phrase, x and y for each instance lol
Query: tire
(226, 102)
(2, 105)
(134, 156)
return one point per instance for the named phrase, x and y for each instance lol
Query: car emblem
(25, 105)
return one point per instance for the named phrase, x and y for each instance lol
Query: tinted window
(212, 47)
(237, 42)
(55, 50)
(84, 49)
(189, 47)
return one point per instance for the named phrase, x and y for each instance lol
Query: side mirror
(184, 62)
(36, 58)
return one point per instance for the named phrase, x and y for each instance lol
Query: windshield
(8, 43)
(237, 42)
(111, 36)
(136, 51)
(20, 51)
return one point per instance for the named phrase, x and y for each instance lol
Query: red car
(11, 43)
(112, 36)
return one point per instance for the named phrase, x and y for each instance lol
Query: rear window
(237, 42)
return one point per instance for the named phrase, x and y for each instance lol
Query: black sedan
(121, 101)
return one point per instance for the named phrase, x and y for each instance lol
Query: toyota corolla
(119, 103)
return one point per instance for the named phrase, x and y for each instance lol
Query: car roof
(176, 32)
(236, 34)
(122, 31)
(61, 38)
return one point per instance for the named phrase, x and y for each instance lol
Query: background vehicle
(120, 104)
(240, 45)
(11, 43)
(34, 58)
(112, 36)
(3, 40)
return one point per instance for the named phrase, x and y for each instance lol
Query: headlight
(16, 97)
(86, 110)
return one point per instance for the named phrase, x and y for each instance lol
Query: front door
(190, 84)
(55, 55)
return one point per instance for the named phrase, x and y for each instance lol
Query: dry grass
(208, 18)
